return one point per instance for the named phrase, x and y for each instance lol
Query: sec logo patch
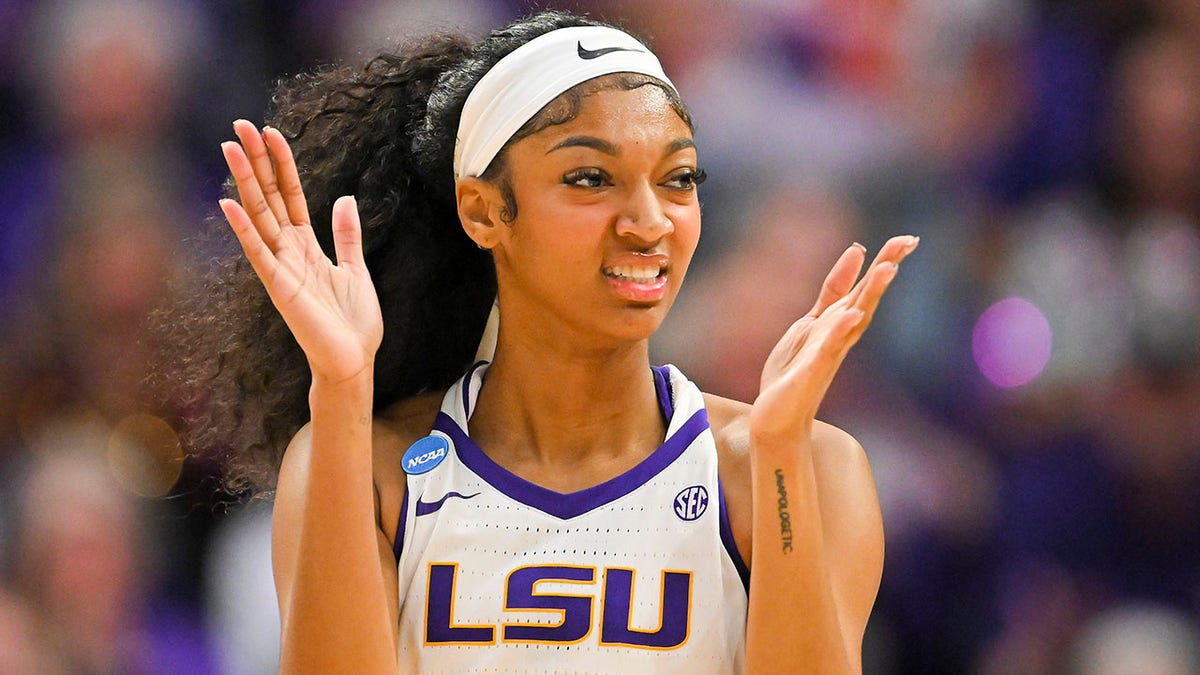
(691, 502)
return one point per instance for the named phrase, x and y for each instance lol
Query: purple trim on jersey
(398, 547)
(728, 541)
(570, 505)
(662, 386)
(466, 390)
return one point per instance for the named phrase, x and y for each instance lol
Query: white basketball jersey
(636, 575)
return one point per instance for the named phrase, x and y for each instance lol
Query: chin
(639, 322)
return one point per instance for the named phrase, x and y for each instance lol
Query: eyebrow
(601, 145)
(677, 145)
(592, 142)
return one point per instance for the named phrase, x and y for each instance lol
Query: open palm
(331, 308)
(802, 365)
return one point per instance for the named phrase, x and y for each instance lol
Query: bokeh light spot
(145, 455)
(1011, 342)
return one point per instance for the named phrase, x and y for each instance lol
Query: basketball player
(560, 505)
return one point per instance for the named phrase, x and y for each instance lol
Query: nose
(643, 216)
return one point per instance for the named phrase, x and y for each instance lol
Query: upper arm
(852, 527)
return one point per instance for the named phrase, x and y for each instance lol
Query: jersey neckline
(570, 505)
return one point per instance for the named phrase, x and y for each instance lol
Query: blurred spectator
(1101, 448)
(241, 599)
(1138, 640)
(21, 650)
(99, 203)
(81, 558)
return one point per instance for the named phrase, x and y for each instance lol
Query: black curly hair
(384, 132)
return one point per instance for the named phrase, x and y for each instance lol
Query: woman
(501, 521)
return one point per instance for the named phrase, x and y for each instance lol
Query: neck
(550, 404)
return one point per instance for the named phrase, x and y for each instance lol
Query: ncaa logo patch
(425, 454)
(691, 502)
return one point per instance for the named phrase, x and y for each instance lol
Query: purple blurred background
(1029, 395)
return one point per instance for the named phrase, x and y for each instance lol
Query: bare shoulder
(400, 425)
(393, 430)
(729, 421)
(396, 428)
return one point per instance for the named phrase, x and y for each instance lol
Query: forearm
(793, 623)
(334, 600)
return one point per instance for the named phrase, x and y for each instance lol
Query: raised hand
(802, 365)
(331, 308)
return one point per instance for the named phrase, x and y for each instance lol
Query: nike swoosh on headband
(424, 508)
(596, 53)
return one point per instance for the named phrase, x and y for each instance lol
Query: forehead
(641, 114)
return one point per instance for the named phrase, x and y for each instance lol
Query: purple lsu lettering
(574, 611)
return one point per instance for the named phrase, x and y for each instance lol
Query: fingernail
(859, 246)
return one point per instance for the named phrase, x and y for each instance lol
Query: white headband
(534, 74)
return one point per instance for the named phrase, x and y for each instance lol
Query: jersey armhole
(398, 546)
(727, 540)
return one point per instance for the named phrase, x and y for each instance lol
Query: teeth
(637, 273)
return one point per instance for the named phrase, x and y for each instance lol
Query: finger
(875, 284)
(288, 177)
(250, 194)
(347, 232)
(261, 258)
(264, 169)
(840, 279)
(896, 249)
(841, 326)
(892, 252)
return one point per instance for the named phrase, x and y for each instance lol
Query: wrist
(349, 386)
(775, 444)
(343, 377)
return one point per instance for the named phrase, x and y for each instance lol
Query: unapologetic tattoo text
(785, 520)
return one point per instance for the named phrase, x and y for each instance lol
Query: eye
(586, 178)
(687, 179)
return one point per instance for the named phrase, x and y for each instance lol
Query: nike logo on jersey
(589, 54)
(424, 508)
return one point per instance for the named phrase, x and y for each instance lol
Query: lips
(638, 278)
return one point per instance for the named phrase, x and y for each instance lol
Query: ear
(479, 207)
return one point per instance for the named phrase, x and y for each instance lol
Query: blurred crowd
(1029, 394)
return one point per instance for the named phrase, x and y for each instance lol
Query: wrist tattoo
(785, 519)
